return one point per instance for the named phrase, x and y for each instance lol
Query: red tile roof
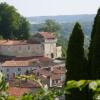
(16, 63)
(56, 76)
(58, 71)
(17, 92)
(23, 84)
(17, 42)
(25, 61)
(13, 42)
(45, 72)
(47, 35)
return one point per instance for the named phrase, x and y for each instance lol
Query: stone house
(41, 44)
(49, 41)
(11, 69)
(23, 56)
(20, 48)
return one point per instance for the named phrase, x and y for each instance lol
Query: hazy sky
(54, 7)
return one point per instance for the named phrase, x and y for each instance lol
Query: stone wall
(22, 50)
(50, 48)
(59, 51)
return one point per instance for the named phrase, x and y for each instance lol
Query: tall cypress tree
(76, 62)
(94, 49)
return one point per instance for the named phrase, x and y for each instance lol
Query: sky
(30, 8)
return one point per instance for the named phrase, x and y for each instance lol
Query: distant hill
(66, 22)
(62, 18)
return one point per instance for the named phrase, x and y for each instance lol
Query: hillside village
(36, 56)
(57, 59)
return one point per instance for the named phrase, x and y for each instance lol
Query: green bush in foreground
(49, 94)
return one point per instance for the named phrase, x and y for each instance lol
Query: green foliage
(45, 93)
(62, 42)
(3, 87)
(23, 32)
(27, 97)
(94, 49)
(92, 85)
(12, 22)
(76, 62)
(50, 26)
(1, 37)
(11, 98)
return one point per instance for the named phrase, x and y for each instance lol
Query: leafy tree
(1, 37)
(23, 32)
(76, 62)
(50, 26)
(11, 22)
(94, 49)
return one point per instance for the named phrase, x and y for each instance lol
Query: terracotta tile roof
(26, 61)
(58, 71)
(17, 42)
(12, 42)
(41, 61)
(17, 92)
(45, 72)
(52, 75)
(56, 76)
(23, 84)
(47, 35)
(16, 63)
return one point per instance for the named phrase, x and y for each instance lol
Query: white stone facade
(50, 49)
(11, 72)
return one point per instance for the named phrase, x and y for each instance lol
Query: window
(28, 47)
(7, 70)
(19, 69)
